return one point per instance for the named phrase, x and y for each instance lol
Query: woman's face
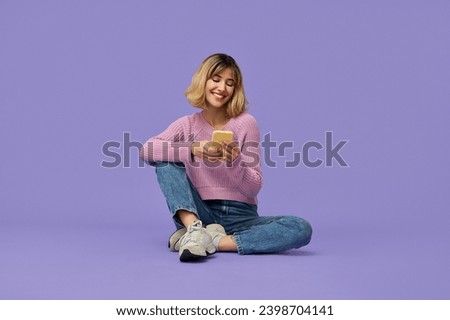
(219, 89)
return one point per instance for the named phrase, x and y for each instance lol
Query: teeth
(218, 95)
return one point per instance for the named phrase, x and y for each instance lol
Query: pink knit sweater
(240, 180)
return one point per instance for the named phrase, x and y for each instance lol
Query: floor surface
(133, 262)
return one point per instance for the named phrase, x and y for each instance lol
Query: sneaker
(195, 243)
(174, 240)
(217, 232)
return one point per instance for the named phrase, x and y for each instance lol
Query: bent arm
(169, 146)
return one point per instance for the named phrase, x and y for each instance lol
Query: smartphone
(221, 135)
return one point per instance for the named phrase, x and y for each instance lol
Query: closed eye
(217, 78)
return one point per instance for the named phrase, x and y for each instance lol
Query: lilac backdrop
(76, 74)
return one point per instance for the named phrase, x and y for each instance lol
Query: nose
(221, 86)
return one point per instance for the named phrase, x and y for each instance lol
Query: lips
(218, 95)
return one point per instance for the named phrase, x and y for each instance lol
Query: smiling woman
(219, 89)
(224, 71)
(215, 184)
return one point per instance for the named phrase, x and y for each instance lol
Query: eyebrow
(216, 75)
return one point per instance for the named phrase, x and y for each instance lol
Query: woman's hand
(211, 151)
(231, 151)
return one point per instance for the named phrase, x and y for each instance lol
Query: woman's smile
(219, 89)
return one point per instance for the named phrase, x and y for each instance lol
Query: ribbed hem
(224, 193)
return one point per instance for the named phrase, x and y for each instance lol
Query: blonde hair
(211, 66)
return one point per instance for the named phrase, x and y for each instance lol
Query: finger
(230, 157)
(206, 148)
(213, 152)
(226, 154)
(227, 147)
(212, 144)
(224, 145)
(232, 148)
(234, 154)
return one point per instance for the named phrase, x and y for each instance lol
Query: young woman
(216, 184)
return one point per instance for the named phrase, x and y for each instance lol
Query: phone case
(222, 135)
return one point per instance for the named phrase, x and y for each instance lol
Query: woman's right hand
(211, 151)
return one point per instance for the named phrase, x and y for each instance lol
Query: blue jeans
(252, 233)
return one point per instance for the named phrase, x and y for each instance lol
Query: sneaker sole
(186, 255)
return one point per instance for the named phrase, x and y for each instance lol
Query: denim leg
(274, 234)
(255, 234)
(179, 192)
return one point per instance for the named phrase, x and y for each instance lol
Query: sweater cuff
(182, 151)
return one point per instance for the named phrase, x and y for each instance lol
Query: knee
(300, 231)
(169, 165)
(169, 169)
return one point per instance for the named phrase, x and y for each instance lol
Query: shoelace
(191, 235)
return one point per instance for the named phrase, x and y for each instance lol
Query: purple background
(76, 74)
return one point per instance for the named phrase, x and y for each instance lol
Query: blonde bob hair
(211, 66)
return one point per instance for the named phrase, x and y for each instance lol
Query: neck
(217, 118)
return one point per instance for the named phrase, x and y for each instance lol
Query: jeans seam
(237, 239)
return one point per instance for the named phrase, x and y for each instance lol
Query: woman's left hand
(231, 151)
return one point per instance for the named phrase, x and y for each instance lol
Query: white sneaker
(195, 243)
(174, 240)
(217, 232)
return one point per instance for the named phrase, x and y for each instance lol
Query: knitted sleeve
(171, 145)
